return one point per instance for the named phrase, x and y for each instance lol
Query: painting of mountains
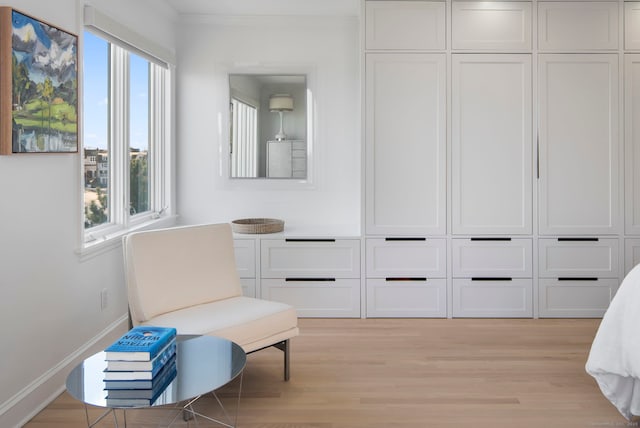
(44, 86)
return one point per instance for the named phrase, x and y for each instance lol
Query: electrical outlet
(104, 299)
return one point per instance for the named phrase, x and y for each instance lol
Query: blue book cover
(141, 343)
(163, 356)
(135, 375)
(159, 385)
(152, 383)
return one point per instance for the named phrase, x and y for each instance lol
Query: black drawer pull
(309, 240)
(488, 278)
(405, 239)
(491, 239)
(578, 239)
(568, 278)
(311, 279)
(410, 278)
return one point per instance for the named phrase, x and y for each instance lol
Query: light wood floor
(410, 373)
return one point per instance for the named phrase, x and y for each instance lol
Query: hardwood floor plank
(409, 373)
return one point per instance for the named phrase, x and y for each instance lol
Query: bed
(614, 359)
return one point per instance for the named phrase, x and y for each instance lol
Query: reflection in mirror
(268, 135)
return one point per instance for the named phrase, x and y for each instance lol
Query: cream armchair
(186, 277)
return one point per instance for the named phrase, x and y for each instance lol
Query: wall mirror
(268, 126)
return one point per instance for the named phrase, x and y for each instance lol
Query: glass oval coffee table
(204, 364)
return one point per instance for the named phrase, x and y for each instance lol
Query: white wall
(49, 297)
(209, 47)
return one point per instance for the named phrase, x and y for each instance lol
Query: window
(126, 118)
(244, 139)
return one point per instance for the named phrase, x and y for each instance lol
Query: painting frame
(38, 86)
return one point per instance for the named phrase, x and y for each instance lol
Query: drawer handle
(568, 278)
(491, 239)
(489, 278)
(409, 278)
(309, 240)
(311, 279)
(405, 239)
(578, 239)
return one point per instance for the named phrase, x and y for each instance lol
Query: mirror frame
(224, 130)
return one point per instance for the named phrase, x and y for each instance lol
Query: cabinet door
(578, 143)
(632, 144)
(405, 25)
(577, 26)
(491, 144)
(631, 27)
(279, 159)
(405, 144)
(491, 25)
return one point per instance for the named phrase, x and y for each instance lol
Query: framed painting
(38, 86)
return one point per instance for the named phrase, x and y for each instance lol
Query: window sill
(112, 241)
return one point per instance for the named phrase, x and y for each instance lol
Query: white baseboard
(23, 406)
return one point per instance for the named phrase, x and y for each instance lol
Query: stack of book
(140, 366)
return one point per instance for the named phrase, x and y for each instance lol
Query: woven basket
(257, 225)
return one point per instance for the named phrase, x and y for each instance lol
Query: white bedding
(614, 359)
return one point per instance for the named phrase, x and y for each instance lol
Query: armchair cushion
(251, 323)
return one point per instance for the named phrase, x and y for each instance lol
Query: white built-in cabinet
(519, 105)
(491, 150)
(492, 277)
(577, 276)
(406, 277)
(320, 277)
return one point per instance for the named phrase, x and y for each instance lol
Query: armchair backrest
(179, 267)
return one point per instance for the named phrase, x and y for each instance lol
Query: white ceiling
(267, 7)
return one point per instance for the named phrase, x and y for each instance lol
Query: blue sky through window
(96, 96)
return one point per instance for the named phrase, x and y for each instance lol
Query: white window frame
(159, 160)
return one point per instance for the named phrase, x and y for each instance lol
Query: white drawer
(577, 26)
(338, 298)
(575, 298)
(310, 258)
(245, 251)
(479, 257)
(405, 25)
(407, 298)
(491, 25)
(576, 258)
(248, 287)
(632, 254)
(406, 257)
(493, 298)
